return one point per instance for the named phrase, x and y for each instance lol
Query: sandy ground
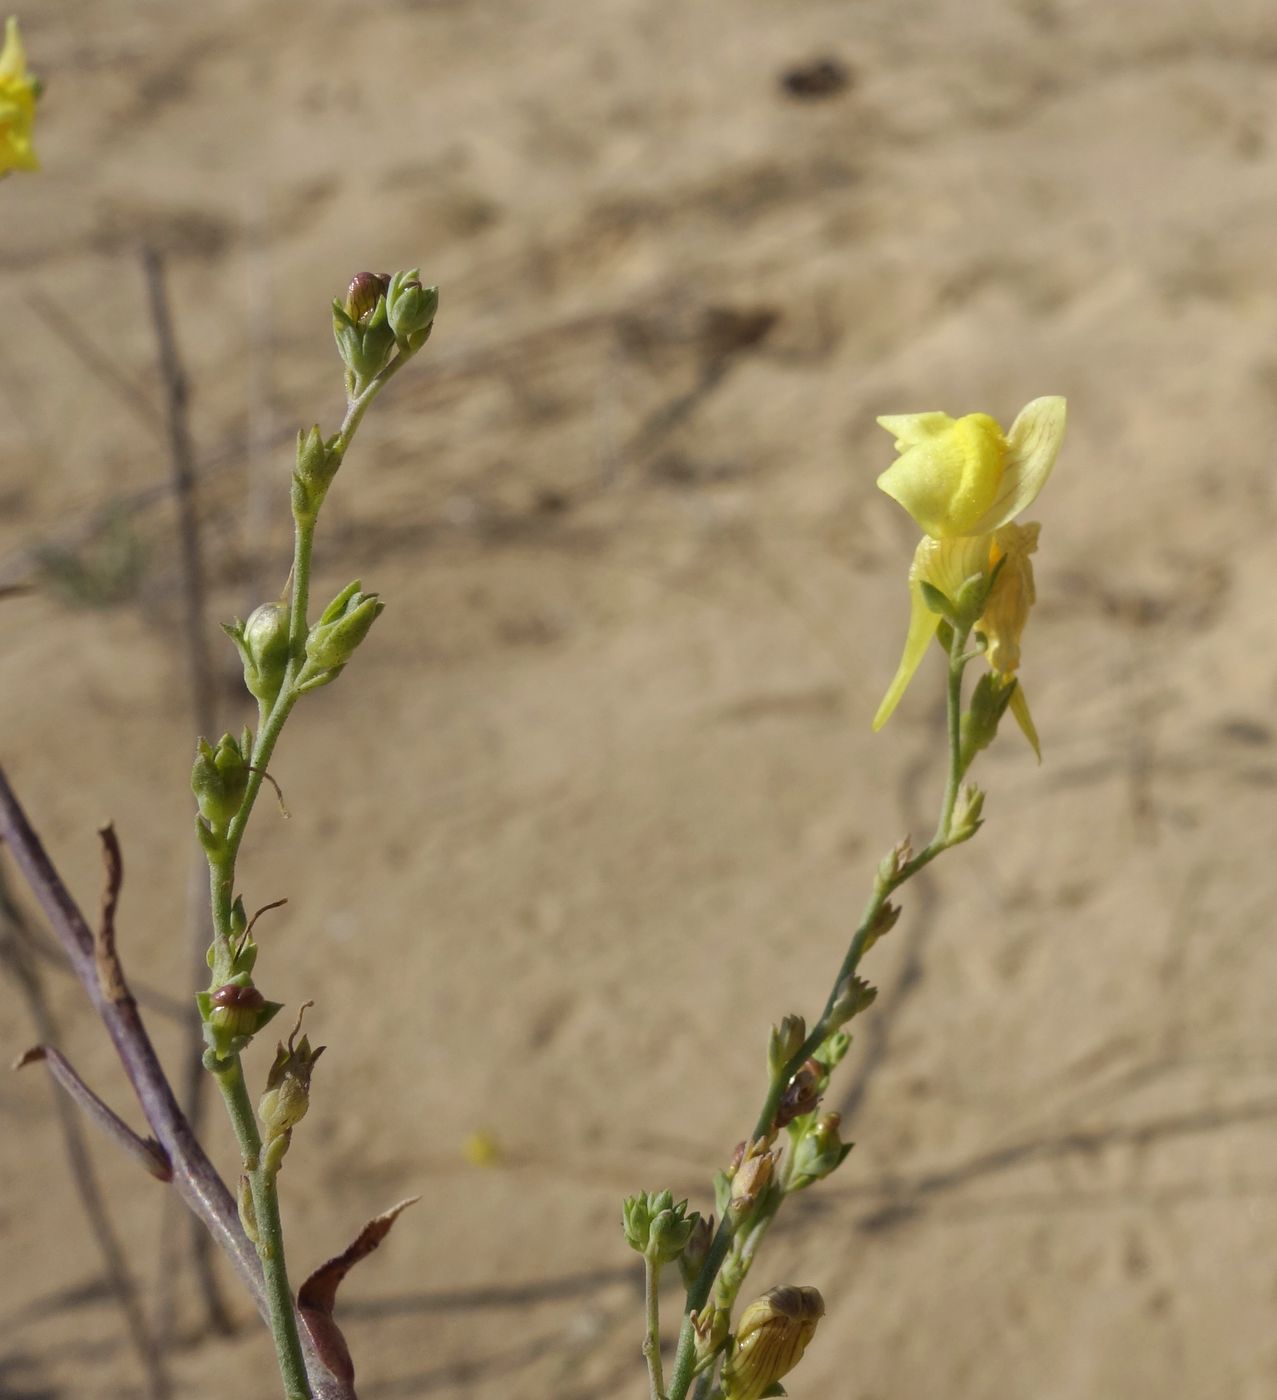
(599, 800)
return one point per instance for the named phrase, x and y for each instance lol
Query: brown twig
(203, 710)
(15, 955)
(193, 1174)
(145, 1150)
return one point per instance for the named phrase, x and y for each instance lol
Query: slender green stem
(957, 665)
(764, 1127)
(270, 1233)
(652, 1339)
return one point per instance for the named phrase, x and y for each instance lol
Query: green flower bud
(342, 625)
(883, 923)
(785, 1042)
(853, 995)
(410, 309)
(671, 1230)
(819, 1152)
(364, 338)
(773, 1334)
(892, 866)
(966, 814)
(218, 780)
(262, 643)
(317, 463)
(979, 726)
(655, 1226)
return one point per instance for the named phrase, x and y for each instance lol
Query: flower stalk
(229, 779)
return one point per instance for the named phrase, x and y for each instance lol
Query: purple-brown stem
(194, 1176)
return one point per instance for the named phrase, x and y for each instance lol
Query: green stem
(270, 1232)
(652, 1339)
(698, 1294)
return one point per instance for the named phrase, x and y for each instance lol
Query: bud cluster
(657, 1228)
(381, 313)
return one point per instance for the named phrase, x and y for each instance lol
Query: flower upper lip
(960, 477)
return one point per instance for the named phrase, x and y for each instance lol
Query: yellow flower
(18, 91)
(963, 480)
(773, 1334)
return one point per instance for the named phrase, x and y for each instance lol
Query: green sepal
(937, 602)
(979, 726)
(213, 842)
(722, 1192)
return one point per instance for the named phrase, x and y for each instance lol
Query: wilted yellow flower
(18, 92)
(773, 1334)
(962, 480)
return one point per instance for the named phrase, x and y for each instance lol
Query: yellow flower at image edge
(963, 481)
(18, 92)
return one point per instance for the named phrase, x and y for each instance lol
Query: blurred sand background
(599, 799)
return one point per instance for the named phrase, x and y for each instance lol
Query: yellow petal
(1032, 446)
(949, 474)
(1006, 609)
(908, 429)
(922, 627)
(1020, 709)
(948, 564)
(13, 58)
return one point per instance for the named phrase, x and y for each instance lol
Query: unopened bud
(820, 1152)
(671, 1229)
(317, 462)
(854, 994)
(696, 1250)
(785, 1042)
(966, 814)
(262, 642)
(711, 1326)
(364, 338)
(751, 1180)
(236, 1008)
(410, 309)
(884, 921)
(287, 1096)
(979, 726)
(232, 1015)
(218, 780)
(342, 625)
(655, 1226)
(891, 867)
(773, 1334)
(363, 293)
